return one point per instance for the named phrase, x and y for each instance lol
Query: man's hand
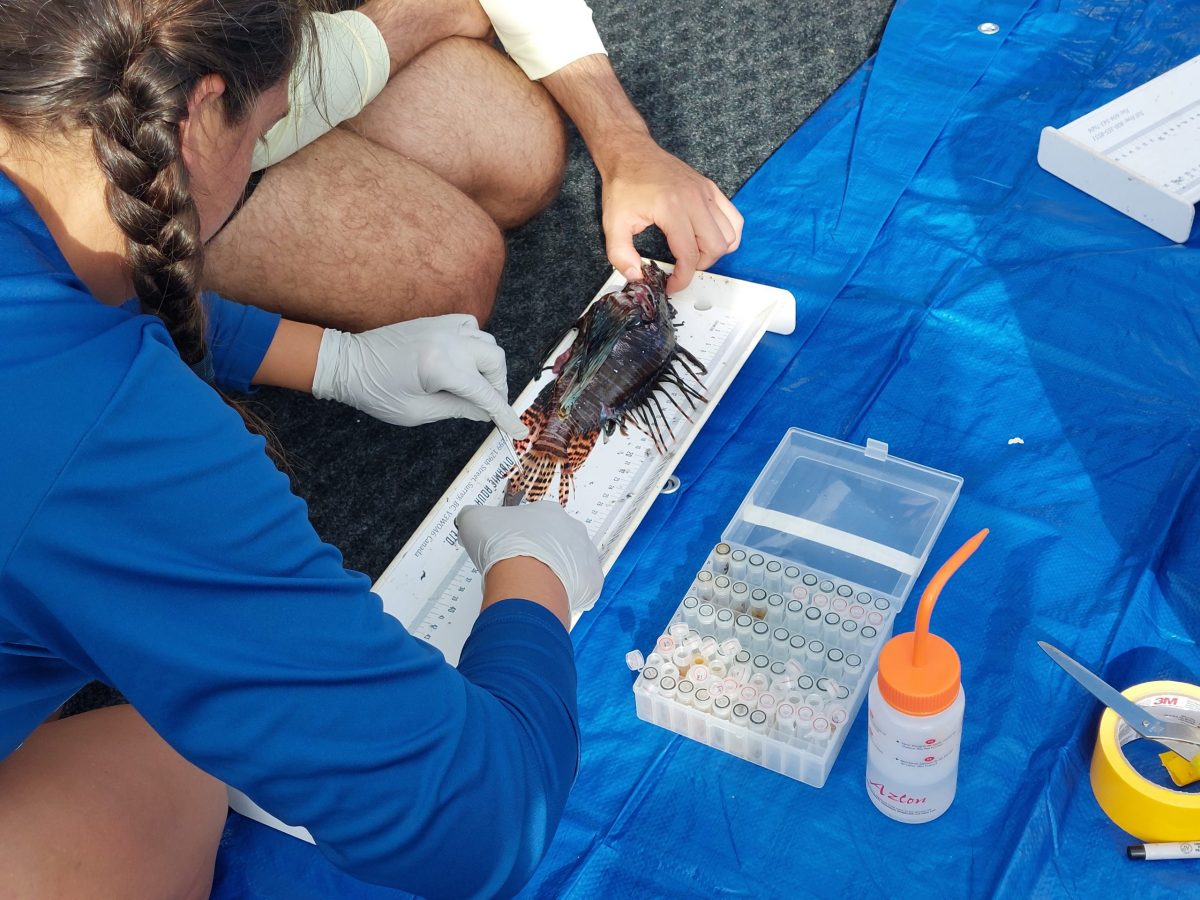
(425, 370)
(645, 186)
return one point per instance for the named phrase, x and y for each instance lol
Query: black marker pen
(1184, 850)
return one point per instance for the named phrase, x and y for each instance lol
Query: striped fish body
(615, 374)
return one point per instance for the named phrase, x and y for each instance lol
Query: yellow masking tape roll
(1144, 809)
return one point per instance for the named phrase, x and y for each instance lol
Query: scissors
(1177, 736)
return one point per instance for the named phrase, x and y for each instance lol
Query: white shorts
(352, 64)
(350, 69)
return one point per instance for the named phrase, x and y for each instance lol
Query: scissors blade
(1139, 718)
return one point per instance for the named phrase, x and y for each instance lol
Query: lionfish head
(654, 276)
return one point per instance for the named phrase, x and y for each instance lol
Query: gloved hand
(542, 530)
(425, 370)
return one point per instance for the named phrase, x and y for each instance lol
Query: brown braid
(135, 131)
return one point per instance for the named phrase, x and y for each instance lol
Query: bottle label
(920, 754)
(902, 803)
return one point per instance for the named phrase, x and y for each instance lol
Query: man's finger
(712, 243)
(732, 216)
(681, 238)
(618, 241)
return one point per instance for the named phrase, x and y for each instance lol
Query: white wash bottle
(915, 714)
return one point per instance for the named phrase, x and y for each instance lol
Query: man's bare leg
(509, 161)
(350, 235)
(385, 220)
(98, 805)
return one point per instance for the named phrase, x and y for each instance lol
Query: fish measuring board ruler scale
(433, 588)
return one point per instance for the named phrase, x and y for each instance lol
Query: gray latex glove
(425, 370)
(542, 530)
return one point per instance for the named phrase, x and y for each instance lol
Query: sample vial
(682, 658)
(684, 692)
(761, 637)
(774, 575)
(754, 568)
(826, 587)
(740, 596)
(742, 626)
(799, 592)
(721, 706)
(704, 585)
(690, 604)
(758, 603)
(779, 641)
(791, 575)
(721, 588)
(776, 609)
(706, 616)
(796, 643)
(820, 601)
(737, 565)
(720, 558)
(810, 579)
(849, 633)
(702, 700)
(666, 686)
(740, 714)
(844, 590)
(724, 623)
(795, 615)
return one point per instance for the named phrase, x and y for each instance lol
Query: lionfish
(623, 357)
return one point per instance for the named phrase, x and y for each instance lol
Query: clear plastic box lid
(855, 513)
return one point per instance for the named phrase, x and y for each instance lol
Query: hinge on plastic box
(876, 449)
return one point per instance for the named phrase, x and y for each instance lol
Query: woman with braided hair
(147, 541)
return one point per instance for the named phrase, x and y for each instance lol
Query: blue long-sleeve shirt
(147, 541)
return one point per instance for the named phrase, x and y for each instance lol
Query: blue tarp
(952, 296)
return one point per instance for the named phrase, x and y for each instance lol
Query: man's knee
(477, 255)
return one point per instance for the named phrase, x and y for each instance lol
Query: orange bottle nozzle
(932, 590)
(919, 672)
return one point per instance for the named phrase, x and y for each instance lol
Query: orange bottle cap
(919, 672)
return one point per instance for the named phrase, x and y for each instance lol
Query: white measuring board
(433, 588)
(1140, 153)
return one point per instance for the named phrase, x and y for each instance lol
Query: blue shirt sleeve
(170, 559)
(238, 338)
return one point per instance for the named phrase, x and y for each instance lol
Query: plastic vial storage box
(773, 647)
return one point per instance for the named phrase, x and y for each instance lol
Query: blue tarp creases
(952, 296)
